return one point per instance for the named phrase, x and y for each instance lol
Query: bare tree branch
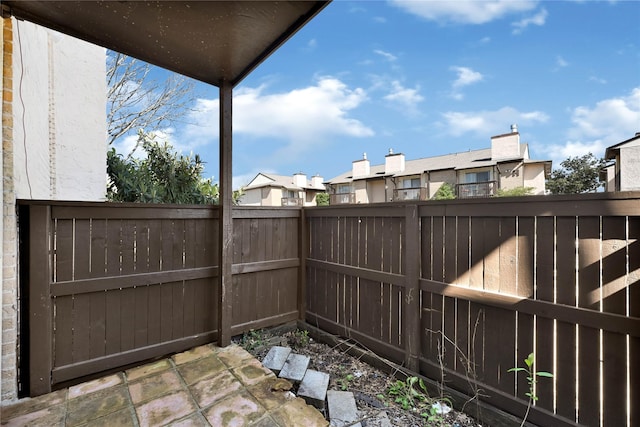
(136, 101)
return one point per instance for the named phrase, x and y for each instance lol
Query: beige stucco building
(278, 190)
(623, 174)
(478, 173)
(53, 144)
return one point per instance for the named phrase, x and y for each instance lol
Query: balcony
(476, 190)
(415, 193)
(292, 201)
(342, 198)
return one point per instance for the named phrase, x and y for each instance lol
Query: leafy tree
(322, 199)
(163, 176)
(445, 192)
(580, 174)
(135, 100)
(515, 192)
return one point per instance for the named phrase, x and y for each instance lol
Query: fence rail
(468, 289)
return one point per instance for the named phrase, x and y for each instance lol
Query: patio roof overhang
(211, 41)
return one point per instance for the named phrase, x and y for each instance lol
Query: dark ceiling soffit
(26, 11)
(297, 25)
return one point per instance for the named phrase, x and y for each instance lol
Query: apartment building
(278, 190)
(475, 173)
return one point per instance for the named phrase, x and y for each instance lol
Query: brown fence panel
(499, 279)
(265, 267)
(115, 284)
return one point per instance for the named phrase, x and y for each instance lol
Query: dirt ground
(369, 385)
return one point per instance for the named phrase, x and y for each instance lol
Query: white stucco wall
(534, 177)
(251, 197)
(59, 111)
(630, 168)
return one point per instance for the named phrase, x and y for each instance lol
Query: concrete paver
(205, 386)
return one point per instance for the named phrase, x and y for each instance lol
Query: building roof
(281, 181)
(610, 152)
(211, 41)
(457, 161)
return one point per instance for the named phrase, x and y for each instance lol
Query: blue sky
(427, 78)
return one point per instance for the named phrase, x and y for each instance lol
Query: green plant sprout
(412, 395)
(531, 380)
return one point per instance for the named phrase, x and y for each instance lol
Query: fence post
(39, 300)
(225, 302)
(303, 243)
(411, 295)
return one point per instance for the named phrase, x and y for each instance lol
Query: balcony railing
(292, 201)
(342, 198)
(476, 189)
(415, 193)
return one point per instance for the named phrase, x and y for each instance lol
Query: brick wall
(8, 369)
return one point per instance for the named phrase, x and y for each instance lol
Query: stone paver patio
(205, 386)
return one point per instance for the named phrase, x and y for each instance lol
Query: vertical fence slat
(588, 338)
(40, 319)
(633, 287)
(565, 370)
(614, 345)
(545, 266)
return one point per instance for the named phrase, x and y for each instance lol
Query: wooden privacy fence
(467, 289)
(106, 285)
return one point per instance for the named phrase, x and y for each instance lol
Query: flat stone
(29, 405)
(297, 413)
(51, 416)
(199, 369)
(193, 354)
(89, 407)
(154, 386)
(268, 397)
(165, 409)
(238, 410)
(252, 373)
(233, 355)
(342, 408)
(295, 367)
(265, 421)
(95, 385)
(313, 388)
(213, 389)
(122, 418)
(195, 420)
(381, 419)
(275, 358)
(145, 370)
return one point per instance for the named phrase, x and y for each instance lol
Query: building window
(411, 183)
(473, 177)
(344, 189)
(290, 194)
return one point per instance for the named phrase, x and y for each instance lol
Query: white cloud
(538, 19)
(465, 11)
(300, 116)
(561, 62)
(597, 80)
(466, 77)
(487, 123)
(386, 55)
(406, 98)
(594, 128)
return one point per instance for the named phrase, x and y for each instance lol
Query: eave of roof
(211, 41)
